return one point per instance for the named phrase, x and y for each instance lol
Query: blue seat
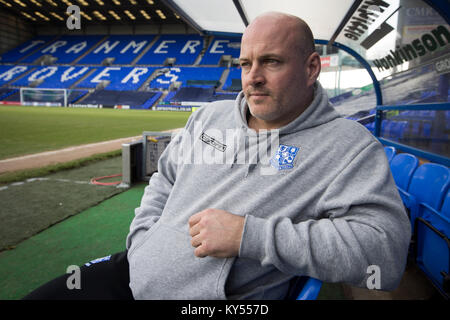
(429, 185)
(304, 288)
(390, 153)
(403, 166)
(433, 245)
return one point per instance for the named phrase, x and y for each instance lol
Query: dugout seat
(304, 288)
(433, 245)
(429, 185)
(390, 153)
(402, 167)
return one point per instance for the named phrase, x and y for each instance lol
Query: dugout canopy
(384, 36)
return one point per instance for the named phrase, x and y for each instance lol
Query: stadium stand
(93, 67)
(219, 47)
(114, 98)
(184, 49)
(65, 49)
(28, 47)
(75, 95)
(6, 92)
(118, 78)
(188, 76)
(233, 82)
(123, 49)
(52, 77)
(9, 73)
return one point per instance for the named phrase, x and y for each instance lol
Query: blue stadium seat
(184, 48)
(6, 92)
(123, 48)
(193, 94)
(9, 73)
(429, 185)
(121, 78)
(304, 288)
(390, 153)
(53, 76)
(233, 80)
(26, 48)
(75, 95)
(370, 126)
(220, 46)
(188, 76)
(398, 129)
(402, 167)
(433, 245)
(66, 49)
(134, 99)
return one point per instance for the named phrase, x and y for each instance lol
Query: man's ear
(313, 67)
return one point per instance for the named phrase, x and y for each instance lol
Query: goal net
(43, 97)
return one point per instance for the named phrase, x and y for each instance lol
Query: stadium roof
(327, 18)
(232, 16)
(53, 12)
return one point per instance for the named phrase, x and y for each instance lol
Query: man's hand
(216, 233)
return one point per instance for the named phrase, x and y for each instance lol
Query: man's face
(274, 78)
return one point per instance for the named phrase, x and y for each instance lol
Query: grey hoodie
(328, 208)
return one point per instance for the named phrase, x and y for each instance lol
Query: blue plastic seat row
(425, 193)
(432, 233)
(304, 288)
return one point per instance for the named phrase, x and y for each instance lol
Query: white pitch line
(70, 149)
(15, 184)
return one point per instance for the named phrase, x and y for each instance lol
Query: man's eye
(271, 61)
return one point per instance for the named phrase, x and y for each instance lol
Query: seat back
(304, 288)
(445, 210)
(433, 249)
(403, 166)
(430, 183)
(390, 153)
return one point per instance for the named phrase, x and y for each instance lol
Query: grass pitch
(28, 130)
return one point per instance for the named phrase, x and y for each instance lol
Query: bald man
(236, 225)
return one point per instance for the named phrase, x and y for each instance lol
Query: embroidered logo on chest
(284, 157)
(213, 142)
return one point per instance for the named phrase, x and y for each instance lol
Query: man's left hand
(216, 233)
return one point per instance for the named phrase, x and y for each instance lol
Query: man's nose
(256, 76)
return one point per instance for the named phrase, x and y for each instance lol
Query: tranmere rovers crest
(284, 157)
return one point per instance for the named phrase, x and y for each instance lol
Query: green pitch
(28, 130)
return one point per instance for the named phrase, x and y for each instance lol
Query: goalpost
(44, 97)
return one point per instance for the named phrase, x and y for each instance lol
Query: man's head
(279, 68)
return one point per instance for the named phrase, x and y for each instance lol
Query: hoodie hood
(318, 112)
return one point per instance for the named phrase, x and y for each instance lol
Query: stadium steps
(75, 62)
(134, 62)
(14, 79)
(146, 83)
(161, 99)
(37, 49)
(223, 78)
(88, 74)
(206, 44)
(80, 101)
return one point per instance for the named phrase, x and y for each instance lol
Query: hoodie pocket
(164, 267)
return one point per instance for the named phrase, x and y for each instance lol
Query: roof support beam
(344, 21)
(184, 16)
(241, 11)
